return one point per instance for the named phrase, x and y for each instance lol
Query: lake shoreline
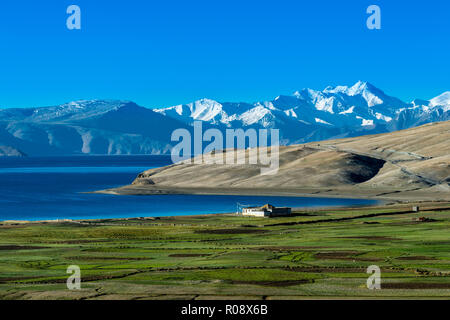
(54, 189)
(380, 205)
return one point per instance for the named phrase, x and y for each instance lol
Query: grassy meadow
(314, 254)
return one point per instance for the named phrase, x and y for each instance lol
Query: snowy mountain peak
(205, 109)
(441, 100)
(202, 110)
(369, 92)
(307, 94)
(206, 101)
(358, 88)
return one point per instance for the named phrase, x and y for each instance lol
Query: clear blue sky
(161, 53)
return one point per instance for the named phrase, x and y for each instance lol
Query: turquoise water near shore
(51, 188)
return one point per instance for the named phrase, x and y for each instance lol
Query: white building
(266, 211)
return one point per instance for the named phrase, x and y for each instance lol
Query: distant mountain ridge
(87, 127)
(123, 127)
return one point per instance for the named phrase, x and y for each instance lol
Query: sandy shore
(388, 195)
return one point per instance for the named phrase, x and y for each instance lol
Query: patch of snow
(348, 111)
(322, 121)
(325, 104)
(291, 113)
(380, 116)
(367, 122)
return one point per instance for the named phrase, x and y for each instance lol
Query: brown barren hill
(412, 164)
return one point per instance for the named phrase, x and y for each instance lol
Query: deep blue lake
(50, 188)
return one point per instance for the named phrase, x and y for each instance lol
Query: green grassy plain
(315, 254)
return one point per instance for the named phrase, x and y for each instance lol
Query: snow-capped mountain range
(361, 105)
(122, 127)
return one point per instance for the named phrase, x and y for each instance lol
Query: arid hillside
(411, 164)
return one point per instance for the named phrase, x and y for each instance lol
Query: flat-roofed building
(267, 210)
